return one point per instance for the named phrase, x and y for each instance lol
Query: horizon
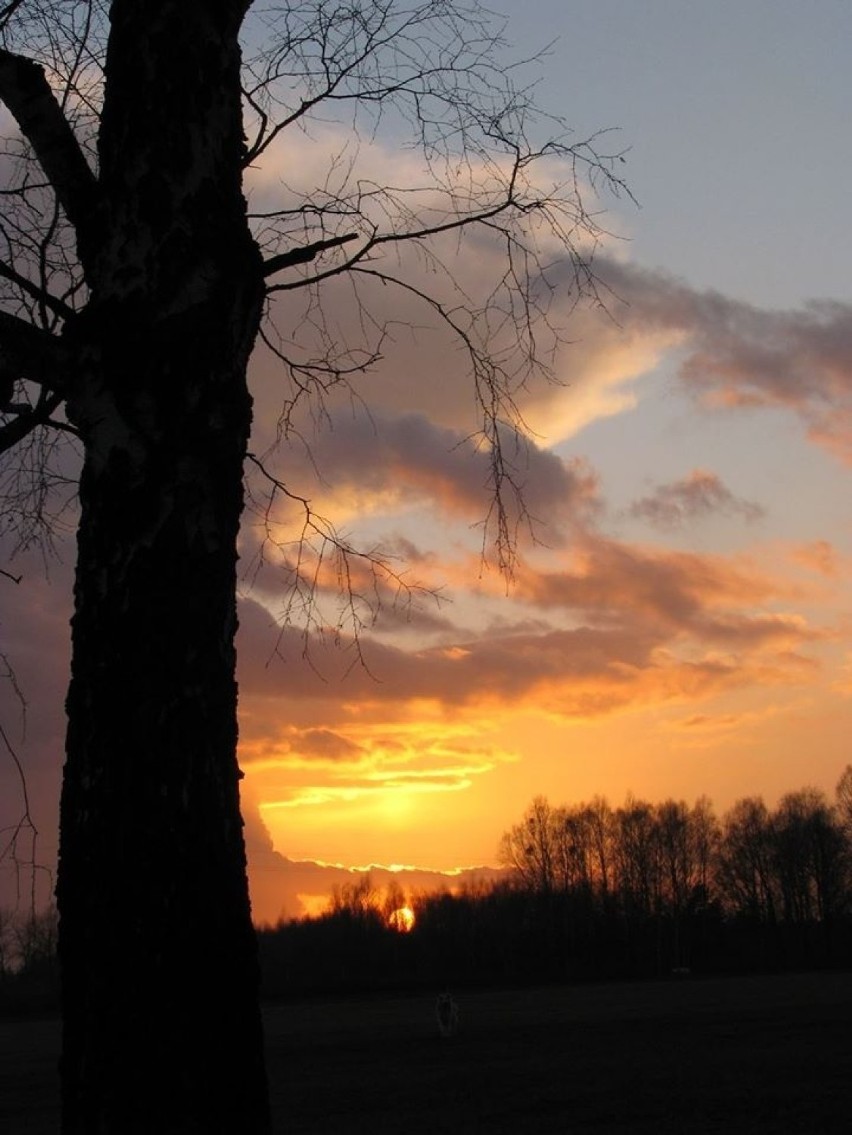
(285, 889)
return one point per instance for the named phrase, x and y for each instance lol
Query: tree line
(660, 887)
(590, 891)
(28, 965)
(596, 891)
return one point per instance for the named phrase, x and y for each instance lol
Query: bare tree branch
(305, 254)
(31, 353)
(39, 294)
(27, 420)
(26, 92)
(19, 841)
(8, 11)
(366, 580)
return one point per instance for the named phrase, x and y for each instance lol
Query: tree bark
(161, 1024)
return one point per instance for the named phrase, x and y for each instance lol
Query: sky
(680, 624)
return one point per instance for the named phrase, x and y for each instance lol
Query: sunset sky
(682, 623)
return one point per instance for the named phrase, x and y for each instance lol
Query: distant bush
(29, 976)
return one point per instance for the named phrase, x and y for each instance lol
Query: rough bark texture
(162, 1030)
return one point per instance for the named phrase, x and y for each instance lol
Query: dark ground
(735, 1055)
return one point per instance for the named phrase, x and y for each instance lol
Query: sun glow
(402, 920)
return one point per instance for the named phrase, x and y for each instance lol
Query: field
(743, 1055)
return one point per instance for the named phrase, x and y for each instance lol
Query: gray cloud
(697, 495)
(410, 459)
(327, 746)
(738, 355)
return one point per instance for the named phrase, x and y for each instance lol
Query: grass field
(735, 1055)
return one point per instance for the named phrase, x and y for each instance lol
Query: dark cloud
(695, 496)
(738, 355)
(612, 581)
(410, 459)
(327, 746)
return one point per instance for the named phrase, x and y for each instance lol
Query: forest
(597, 892)
(589, 891)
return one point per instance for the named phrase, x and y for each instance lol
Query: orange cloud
(819, 556)
(610, 580)
(569, 671)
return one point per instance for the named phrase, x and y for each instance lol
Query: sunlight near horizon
(402, 920)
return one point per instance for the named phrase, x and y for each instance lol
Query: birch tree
(136, 284)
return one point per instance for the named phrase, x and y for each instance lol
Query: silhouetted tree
(600, 825)
(358, 900)
(687, 838)
(530, 848)
(843, 794)
(393, 900)
(745, 861)
(7, 942)
(134, 285)
(810, 857)
(638, 859)
(34, 937)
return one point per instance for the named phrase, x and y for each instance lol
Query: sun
(402, 919)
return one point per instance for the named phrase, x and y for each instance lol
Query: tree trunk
(161, 1022)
